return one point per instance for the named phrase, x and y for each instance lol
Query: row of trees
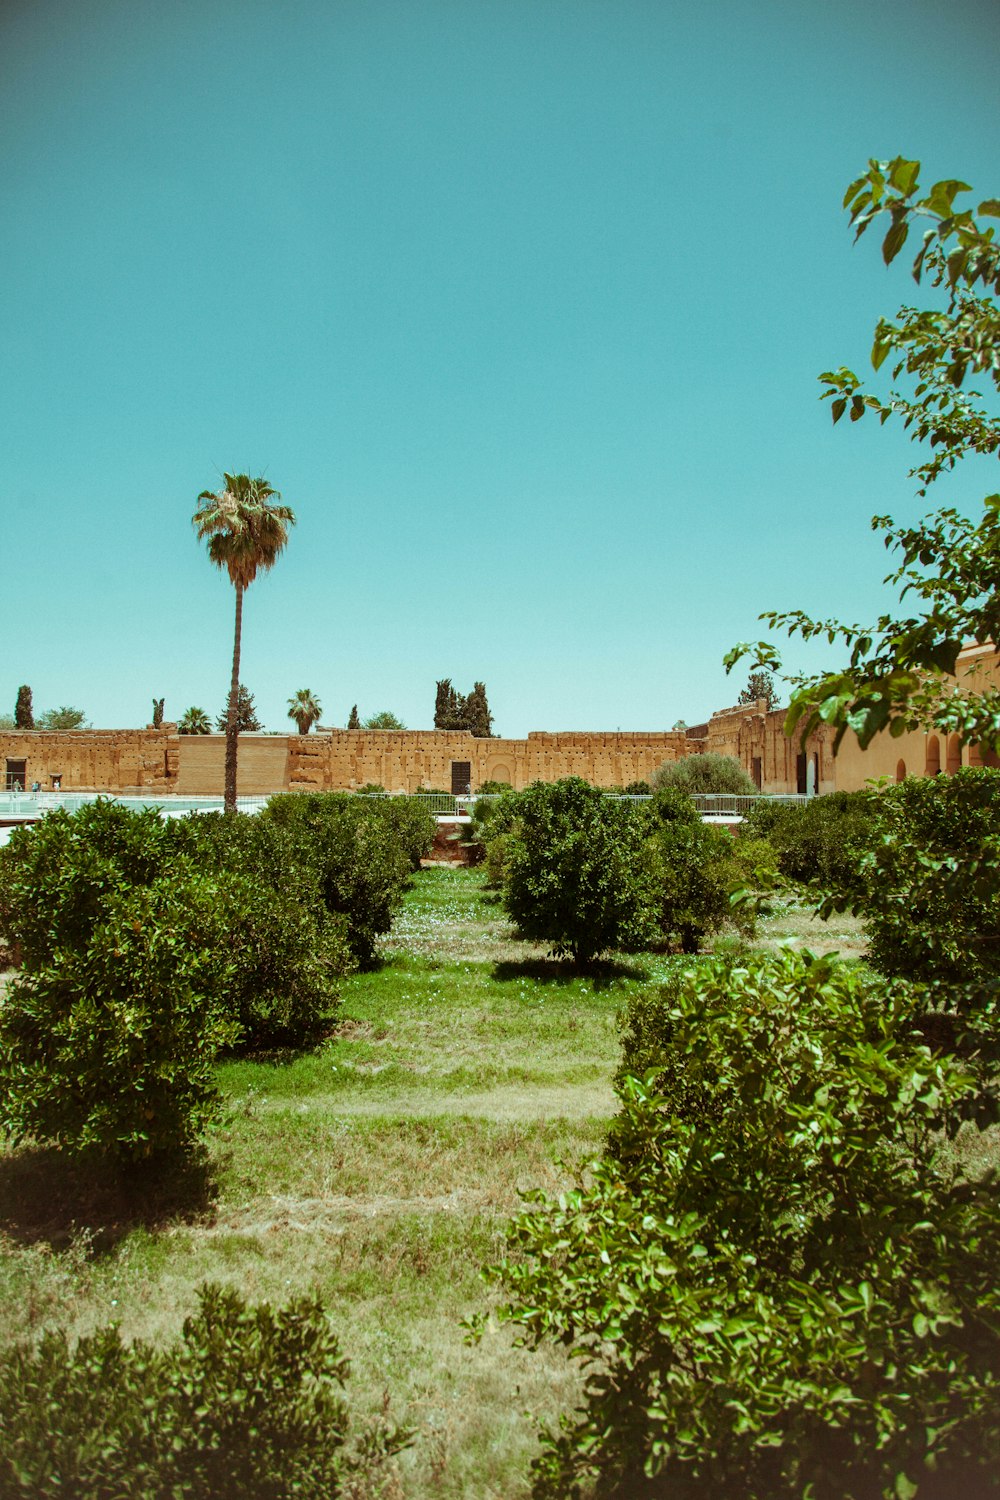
(143, 946)
(24, 716)
(453, 710)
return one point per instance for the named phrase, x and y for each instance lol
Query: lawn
(380, 1170)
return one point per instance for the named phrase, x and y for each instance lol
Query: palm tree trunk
(232, 727)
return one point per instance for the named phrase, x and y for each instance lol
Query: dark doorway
(801, 775)
(17, 775)
(757, 773)
(461, 778)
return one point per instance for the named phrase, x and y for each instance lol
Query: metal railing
(738, 804)
(31, 805)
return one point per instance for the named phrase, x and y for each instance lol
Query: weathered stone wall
(333, 760)
(755, 737)
(408, 760)
(93, 760)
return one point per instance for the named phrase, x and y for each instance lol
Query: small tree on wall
(194, 720)
(448, 706)
(158, 712)
(247, 721)
(384, 719)
(24, 715)
(760, 684)
(305, 708)
(354, 722)
(478, 719)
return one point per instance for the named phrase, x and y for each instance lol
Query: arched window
(954, 754)
(901, 770)
(933, 764)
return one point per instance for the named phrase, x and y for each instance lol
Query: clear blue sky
(520, 303)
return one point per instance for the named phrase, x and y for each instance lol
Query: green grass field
(380, 1170)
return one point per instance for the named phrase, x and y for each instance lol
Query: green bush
(577, 870)
(822, 840)
(413, 825)
(247, 1402)
(930, 897)
(358, 855)
(285, 951)
(284, 965)
(110, 1045)
(784, 1281)
(56, 875)
(686, 854)
(705, 773)
(693, 867)
(255, 848)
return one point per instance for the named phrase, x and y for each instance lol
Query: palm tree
(194, 721)
(305, 708)
(245, 532)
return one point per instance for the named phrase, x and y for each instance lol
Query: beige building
(161, 761)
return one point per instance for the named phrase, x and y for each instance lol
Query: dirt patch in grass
(795, 924)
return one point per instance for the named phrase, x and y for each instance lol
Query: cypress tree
(477, 716)
(442, 703)
(354, 722)
(24, 714)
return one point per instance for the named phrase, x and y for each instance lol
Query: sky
(520, 304)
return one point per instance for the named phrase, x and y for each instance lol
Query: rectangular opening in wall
(461, 777)
(757, 772)
(16, 777)
(800, 775)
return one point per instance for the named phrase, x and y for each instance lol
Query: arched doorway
(901, 770)
(954, 762)
(932, 766)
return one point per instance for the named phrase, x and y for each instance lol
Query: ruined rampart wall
(331, 760)
(408, 760)
(92, 760)
(755, 737)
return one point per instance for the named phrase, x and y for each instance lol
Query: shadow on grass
(50, 1197)
(601, 974)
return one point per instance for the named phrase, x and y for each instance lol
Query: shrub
(358, 855)
(412, 824)
(284, 964)
(577, 870)
(246, 1402)
(110, 1044)
(704, 773)
(792, 1292)
(693, 867)
(821, 840)
(56, 875)
(930, 896)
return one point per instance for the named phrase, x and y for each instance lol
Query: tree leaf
(894, 240)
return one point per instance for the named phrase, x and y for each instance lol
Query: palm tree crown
(305, 708)
(245, 531)
(194, 721)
